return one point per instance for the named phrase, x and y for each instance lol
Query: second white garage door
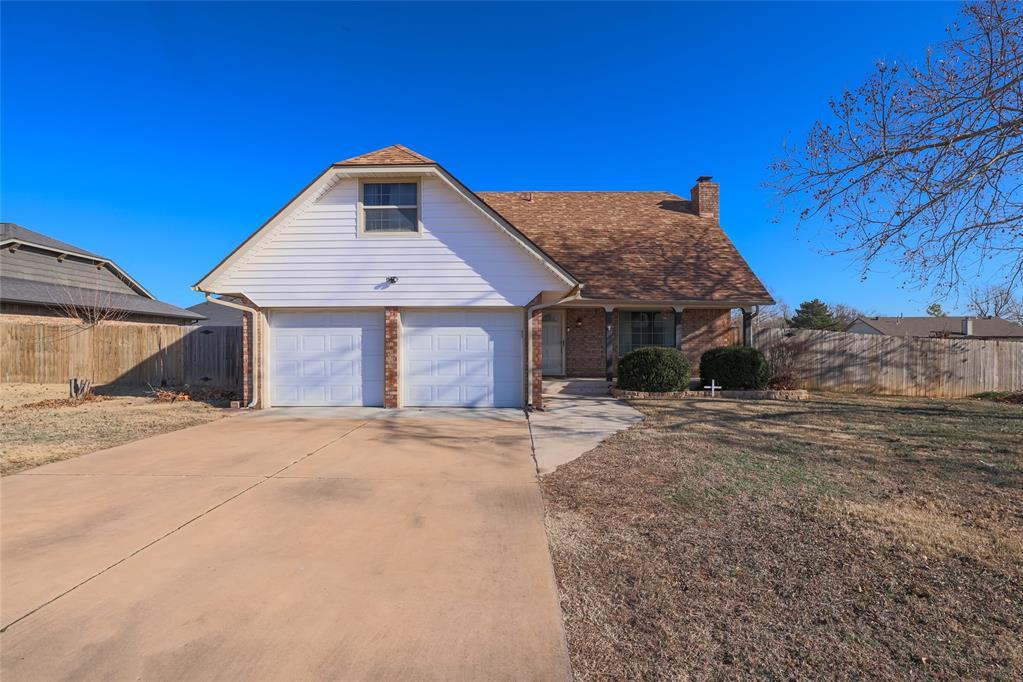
(465, 359)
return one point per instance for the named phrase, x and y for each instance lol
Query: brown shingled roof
(395, 155)
(633, 245)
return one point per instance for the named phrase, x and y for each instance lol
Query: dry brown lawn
(31, 436)
(844, 537)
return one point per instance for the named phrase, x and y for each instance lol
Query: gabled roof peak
(395, 155)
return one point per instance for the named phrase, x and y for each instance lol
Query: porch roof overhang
(623, 303)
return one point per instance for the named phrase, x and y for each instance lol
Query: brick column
(536, 368)
(246, 358)
(392, 346)
(252, 356)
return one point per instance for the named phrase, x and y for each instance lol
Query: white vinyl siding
(327, 358)
(317, 258)
(462, 358)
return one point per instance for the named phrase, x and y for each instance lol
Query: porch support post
(609, 342)
(678, 327)
(747, 327)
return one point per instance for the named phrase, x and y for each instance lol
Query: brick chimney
(706, 198)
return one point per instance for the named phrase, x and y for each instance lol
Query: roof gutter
(255, 339)
(575, 294)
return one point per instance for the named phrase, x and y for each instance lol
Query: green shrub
(735, 368)
(654, 369)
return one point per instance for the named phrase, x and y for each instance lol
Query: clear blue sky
(161, 135)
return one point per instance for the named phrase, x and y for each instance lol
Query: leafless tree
(773, 316)
(845, 314)
(998, 301)
(87, 308)
(923, 165)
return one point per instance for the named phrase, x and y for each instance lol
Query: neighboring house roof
(14, 232)
(395, 155)
(991, 327)
(633, 245)
(218, 315)
(38, 269)
(16, 290)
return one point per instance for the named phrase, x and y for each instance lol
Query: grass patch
(37, 427)
(846, 536)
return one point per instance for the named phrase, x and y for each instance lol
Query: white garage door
(327, 358)
(470, 359)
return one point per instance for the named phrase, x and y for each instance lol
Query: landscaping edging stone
(797, 394)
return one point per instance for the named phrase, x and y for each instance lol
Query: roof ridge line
(413, 153)
(576, 191)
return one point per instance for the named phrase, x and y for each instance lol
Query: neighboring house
(43, 279)
(218, 315)
(388, 282)
(939, 327)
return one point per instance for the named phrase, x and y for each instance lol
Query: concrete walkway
(285, 546)
(578, 415)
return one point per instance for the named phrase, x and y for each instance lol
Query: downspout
(255, 340)
(573, 295)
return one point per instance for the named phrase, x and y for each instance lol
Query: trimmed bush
(654, 369)
(735, 368)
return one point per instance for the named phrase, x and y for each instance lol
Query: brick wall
(392, 343)
(584, 342)
(703, 329)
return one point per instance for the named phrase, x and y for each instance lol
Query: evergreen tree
(814, 314)
(935, 310)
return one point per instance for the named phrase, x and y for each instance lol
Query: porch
(587, 342)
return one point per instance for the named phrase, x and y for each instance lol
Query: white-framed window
(389, 207)
(639, 328)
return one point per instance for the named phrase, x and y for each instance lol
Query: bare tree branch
(996, 301)
(923, 166)
(87, 308)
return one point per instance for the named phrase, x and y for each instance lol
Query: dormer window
(390, 207)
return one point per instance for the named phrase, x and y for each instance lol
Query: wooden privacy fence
(122, 354)
(840, 361)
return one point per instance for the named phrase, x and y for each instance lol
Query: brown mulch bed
(1013, 398)
(62, 402)
(203, 394)
(843, 537)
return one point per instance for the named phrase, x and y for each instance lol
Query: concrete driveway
(285, 546)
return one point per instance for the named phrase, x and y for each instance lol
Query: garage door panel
(475, 369)
(286, 342)
(327, 358)
(462, 358)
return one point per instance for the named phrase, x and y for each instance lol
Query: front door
(553, 344)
